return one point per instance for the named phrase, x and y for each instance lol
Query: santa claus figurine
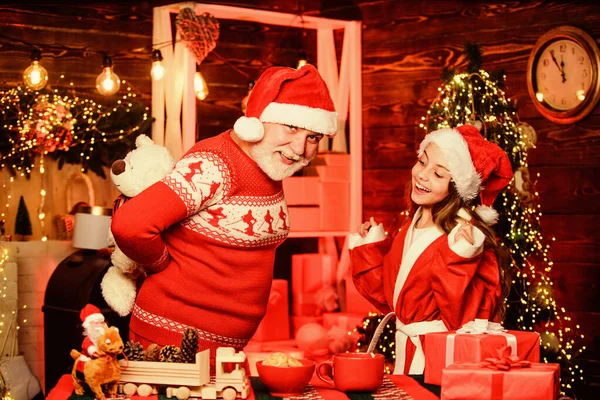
(94, 325)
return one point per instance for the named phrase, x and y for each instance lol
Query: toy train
(185, 381)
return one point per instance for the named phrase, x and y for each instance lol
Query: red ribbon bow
(505, 361)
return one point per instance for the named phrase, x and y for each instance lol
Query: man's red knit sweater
(207, 233)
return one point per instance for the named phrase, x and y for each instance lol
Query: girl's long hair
(445, 214)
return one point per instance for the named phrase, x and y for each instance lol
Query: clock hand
(562, 69)
(562, 73)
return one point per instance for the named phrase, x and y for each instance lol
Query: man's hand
(465, 232)
(365, 226)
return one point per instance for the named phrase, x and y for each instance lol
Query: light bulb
(302, 60)
(158, 69)
(35, 76)
(200, 86)
(107, 82)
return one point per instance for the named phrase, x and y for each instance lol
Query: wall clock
(563, 74)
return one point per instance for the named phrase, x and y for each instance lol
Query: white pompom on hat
(297, 97)
(478, 166)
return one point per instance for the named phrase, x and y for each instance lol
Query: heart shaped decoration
(200, 32)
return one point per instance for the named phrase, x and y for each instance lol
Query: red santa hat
(478, 167)
(90, 313)
(288, 96)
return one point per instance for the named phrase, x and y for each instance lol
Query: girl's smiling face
(430, 177)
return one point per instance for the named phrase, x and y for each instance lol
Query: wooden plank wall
(405, 46)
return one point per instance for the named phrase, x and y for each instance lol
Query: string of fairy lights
(9, 322)
(54, 122)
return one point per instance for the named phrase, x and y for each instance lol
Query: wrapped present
(304, 218)
(354, 302)
(299, 321)
(302, 190)
(499, 378)
(313, 280)
(474, 342)
(276, 323)
(344, 320)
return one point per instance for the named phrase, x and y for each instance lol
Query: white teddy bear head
(142, 167)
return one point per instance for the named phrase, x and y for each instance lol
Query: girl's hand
(466, 232)
(365, 226)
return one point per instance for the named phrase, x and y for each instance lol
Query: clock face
(563, 75)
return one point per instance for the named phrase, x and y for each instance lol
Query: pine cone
(170, 353)
(134, 351)
(152, 353)
(189, 345)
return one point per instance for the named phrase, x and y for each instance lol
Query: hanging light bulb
(35, 76)
(245, 99)
(107, 82)
(302, 59)
(158, 69)
(200, 86)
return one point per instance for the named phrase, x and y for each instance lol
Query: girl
(443, 268)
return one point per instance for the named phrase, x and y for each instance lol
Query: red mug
(353, 372)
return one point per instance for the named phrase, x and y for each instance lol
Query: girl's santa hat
(288, 96)
(477, 166)
(90, 313)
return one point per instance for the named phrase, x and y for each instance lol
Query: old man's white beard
(263, 155)
(94, 334)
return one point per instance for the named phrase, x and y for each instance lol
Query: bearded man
(215, 274)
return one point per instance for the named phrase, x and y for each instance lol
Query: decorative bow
(481, 326)
(504, 361)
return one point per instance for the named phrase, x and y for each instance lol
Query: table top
(399, 387)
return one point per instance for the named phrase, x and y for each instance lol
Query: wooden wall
(405, 47)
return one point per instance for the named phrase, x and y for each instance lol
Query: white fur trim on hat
(460, 163)
(487, 214)
(249, 129)
(313, 119)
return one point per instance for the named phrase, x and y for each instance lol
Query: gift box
(476, 381)
(355, 302)
(345, 320)
(319, 200)
(445, 348)
(313, 284)
(304, 218)
(302, 190)
(276, 323)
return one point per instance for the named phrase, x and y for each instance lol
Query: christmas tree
(477, 97)
(22, 222)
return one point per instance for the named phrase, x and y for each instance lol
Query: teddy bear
(147, 164)
(102, 370)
